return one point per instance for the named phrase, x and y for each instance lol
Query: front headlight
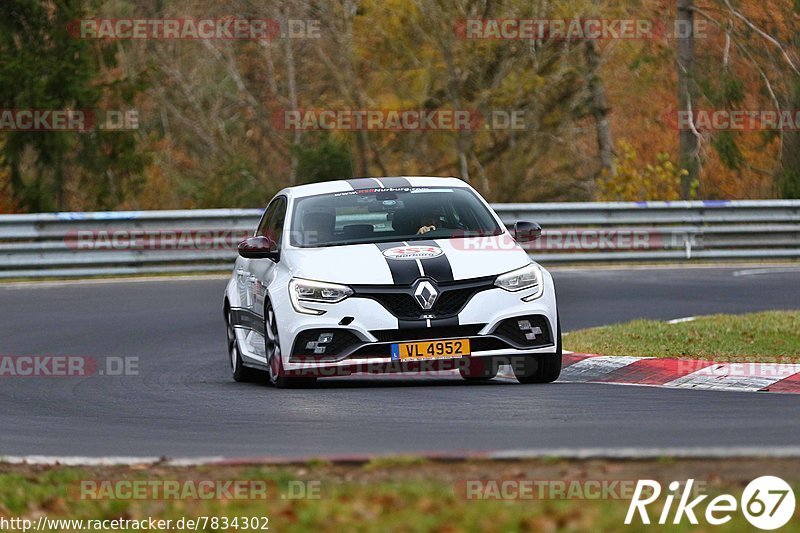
(306, 290)
(527, 277)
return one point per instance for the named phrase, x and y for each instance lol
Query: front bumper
(356, 334)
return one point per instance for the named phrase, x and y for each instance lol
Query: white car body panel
(355, 264)
(254, 280)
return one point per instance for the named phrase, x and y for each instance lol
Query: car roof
(334, 186)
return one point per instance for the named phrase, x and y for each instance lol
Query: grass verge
(401, 495)
(768, 335)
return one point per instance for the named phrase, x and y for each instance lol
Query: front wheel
(277, 374)
(539, 368)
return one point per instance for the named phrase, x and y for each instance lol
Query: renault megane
(399, 274)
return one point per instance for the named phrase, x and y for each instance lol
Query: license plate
(431, 349)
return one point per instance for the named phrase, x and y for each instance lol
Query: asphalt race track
(184, 403)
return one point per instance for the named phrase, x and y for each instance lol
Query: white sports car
(400, 274)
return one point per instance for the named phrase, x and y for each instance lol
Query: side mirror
(259, 248)
(527, 231)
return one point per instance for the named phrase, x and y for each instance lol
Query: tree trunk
(298, 134)
(788, 176)
(599, 110)
(689, 147)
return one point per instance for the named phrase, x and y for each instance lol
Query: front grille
(335, 343)
(343, 342)
(478, 343)
(372, 350)
(435, 332)
(484, 344)
(510, 330)
(451, 302)
(400, 301)
(400, 305)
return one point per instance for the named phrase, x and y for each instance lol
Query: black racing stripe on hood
(363, 183)
(437, 268)
(395, 182)
(404, 271)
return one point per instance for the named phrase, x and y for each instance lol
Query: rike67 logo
(767, 502)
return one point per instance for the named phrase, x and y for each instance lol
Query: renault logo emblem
(426, 294)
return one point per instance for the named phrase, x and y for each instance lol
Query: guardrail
(134, 242)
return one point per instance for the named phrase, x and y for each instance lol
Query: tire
(277, 374)
(540, 368)
(240, 372)
(478, 369)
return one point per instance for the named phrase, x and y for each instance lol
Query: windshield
(391, 214)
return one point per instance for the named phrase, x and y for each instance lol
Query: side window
(276, 219)
(264, 223)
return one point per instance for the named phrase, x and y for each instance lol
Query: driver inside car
(428, 224)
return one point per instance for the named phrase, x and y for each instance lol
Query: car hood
(401, 263)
